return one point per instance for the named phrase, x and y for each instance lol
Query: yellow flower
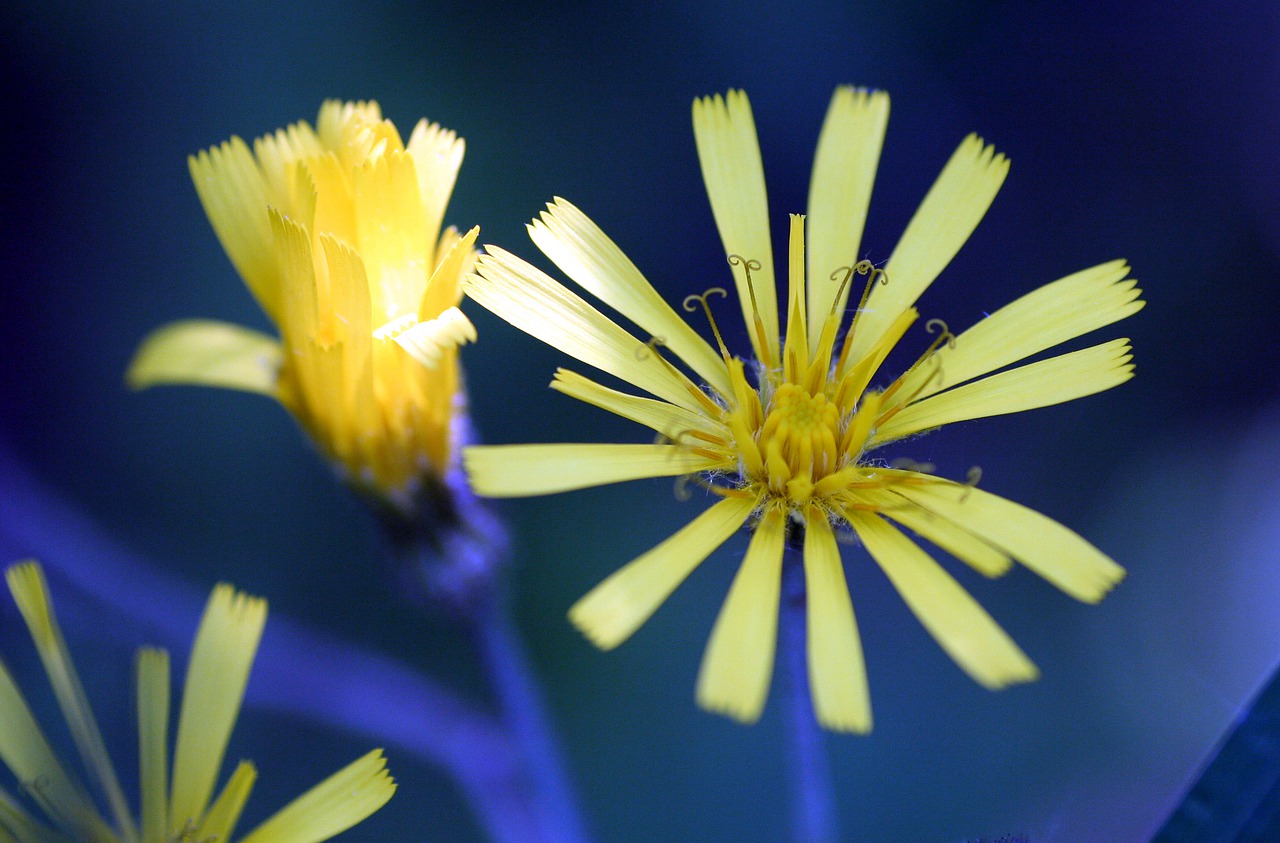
(787, 443)
(336, 231)
(177, 804)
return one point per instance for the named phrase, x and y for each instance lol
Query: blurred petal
(503, 471)
(207, 353)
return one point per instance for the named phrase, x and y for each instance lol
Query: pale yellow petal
(1055, 313)
(30, 592)
(953, 538)
(444, 290)
(729, 153)
(960, 626)
(428, 341)
(153, 742)
(674, 423)
(543, 308)
(516, 471)
(27, 754)
(738, 663)
(331, 807)
(437, 156)
(299, 317)
(1038, 542)
(18, 826)
(837, 674)
(220, 823)
(234, 195)
(949, 213)
(279, 155)
(844, 170)
(221, 656)
(206, 353)
(619, 605)
(1053, 381)
(589, 257)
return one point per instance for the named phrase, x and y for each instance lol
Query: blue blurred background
(1143, 130)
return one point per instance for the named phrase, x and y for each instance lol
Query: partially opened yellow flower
(336, 231)
(787, 443)
(178, 803)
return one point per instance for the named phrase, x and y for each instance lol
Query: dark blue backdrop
(1135, 131)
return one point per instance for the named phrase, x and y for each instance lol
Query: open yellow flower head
(786, 443)
(336, 231)
(177, 803)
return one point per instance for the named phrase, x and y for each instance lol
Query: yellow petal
(394, 242)
(1053, 381)
(1038, 542)
(428, 341)
(221, 656)
(949, 213)
(153, 742)
(437, 156)
(674, 423)
(589, 257)
(619, 605)
(27, 754)
(729, 153)
(738, 663)
(844, 170)
(955, 620)
(17, 826)
(220, 823)
(953, 538)
(1055, 313)
(206, 353)
(543, 308)
(514, 471)
(331, 807)
(444, 290)
(837, 674)
(27, 584)
(234, 196)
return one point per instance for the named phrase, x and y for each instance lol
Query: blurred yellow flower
(786, 443)
(177, 803)
(336, 231)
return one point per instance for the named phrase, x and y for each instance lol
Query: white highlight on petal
(428, 341)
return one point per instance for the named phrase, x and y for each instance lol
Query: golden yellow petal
(949, 213)
(299, 317)
(844, 170)
(331, 807)
(444, 290)
(1055, 313)
(1038, 542)
(738, 663)
(729, 153)
(514, 471)
(983, 557)
(221, 656)
(589, 257)
(153, 742)
(543, 308)
(1053, 381)
(619, 605)
(837, 674)
(674, 423)
(206, 353)
(960, 626)
(27, 584)
(394, 242)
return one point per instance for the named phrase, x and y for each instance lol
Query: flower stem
(813, 816)
(522, 710)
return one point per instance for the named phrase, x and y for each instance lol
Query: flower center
(799, 441)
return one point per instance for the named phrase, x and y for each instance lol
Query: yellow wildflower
(786, 444)
(177, 804)
(336, 231)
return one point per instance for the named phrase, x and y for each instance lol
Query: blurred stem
(520, 700)
(813, 818)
